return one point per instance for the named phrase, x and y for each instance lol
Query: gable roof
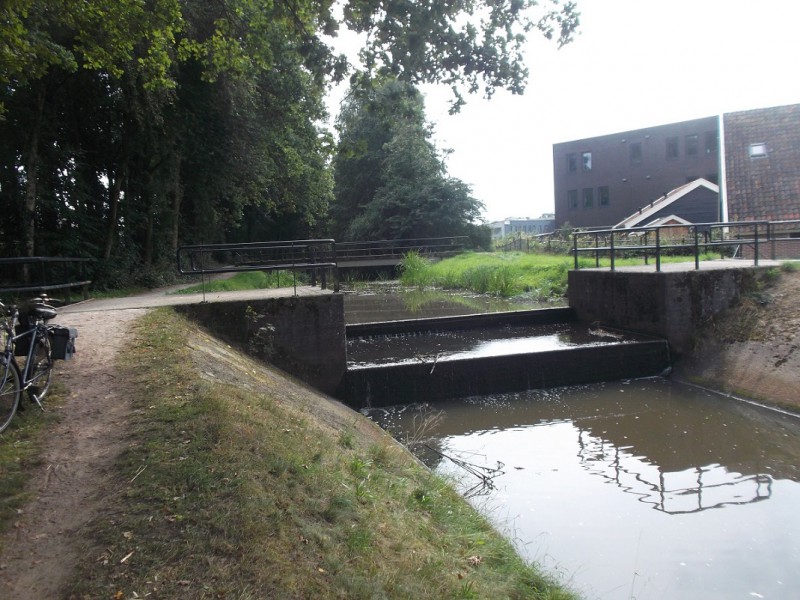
(668, 220)
(643, 214)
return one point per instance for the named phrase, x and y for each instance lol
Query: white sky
(635, 64)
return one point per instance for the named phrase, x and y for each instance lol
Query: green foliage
(415, 270)
(391, 182)
(130, 128)
(476, 44)
(249, 280)
(543, 277)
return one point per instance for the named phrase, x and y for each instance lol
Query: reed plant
(541, 277)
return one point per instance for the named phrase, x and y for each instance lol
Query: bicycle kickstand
(38, 402)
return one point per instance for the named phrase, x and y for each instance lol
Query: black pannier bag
(63, 341)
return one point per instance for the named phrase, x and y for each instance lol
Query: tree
(390, 181)
(131, 126)
(464, 43)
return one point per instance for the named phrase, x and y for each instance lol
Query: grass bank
(21, 449)
(248, 280)
(239, 483)
(505, 274)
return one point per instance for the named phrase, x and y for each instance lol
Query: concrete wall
(666, 304)
(304, 336)
(426, 382)
(540, 316)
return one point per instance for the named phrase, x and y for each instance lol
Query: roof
(643, 214)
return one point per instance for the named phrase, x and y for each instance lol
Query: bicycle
(29, 337)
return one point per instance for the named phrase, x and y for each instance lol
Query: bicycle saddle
(45, 312)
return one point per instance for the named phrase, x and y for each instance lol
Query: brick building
(762, 164)
(602, 181)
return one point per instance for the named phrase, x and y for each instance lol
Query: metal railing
(316, 256)
(734, 238)
(553, 242)
(39, 274)
(384, 249)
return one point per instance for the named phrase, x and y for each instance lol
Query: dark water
(645, 489)
(476, 343)
(641, 489)
(388, 303)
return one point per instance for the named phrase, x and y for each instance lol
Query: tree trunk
(177, 199)
(32, 178)
(114, 194)
(148, 240)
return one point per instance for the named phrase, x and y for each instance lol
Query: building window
(586, 161)
(636, 153)
(758, 150)
(692, 144)
(712, 143)
(572, 163)
(605, 197)
(588, 197)
(572, 199)
(672, 147)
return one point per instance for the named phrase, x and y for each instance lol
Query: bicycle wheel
(41, 370)
(9, 391)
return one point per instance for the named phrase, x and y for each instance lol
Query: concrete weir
(303, 335)
(619, 357)
(671, 303)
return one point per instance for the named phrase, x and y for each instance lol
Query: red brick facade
(762, 163)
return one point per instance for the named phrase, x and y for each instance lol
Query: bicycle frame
(36, 332)
(33, 334)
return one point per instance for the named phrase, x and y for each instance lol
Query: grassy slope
(542, 277)
(262, 489)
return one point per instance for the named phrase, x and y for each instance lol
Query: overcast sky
(635, 63)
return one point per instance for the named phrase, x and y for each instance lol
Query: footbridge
(322, 258)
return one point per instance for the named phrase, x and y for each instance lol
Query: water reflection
(675, 492)
(407, 348)
(388, 302)
(643, 489)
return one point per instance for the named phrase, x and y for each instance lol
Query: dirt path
(43, 547)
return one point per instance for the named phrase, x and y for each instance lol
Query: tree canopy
(390, 180)
(131, 126)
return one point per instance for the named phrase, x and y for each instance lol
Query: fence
(745, 239)
(42, 274)
(398, 249)
(317, 257)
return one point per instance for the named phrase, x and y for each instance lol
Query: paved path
(705, 265)
(166, 297)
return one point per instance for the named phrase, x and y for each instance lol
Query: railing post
(771, 237)
(44, 272)
(596, 251)
(696, 249)
(575, 248)
(658, 249)
(612, 250)
(646, 235)
(756, 245)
